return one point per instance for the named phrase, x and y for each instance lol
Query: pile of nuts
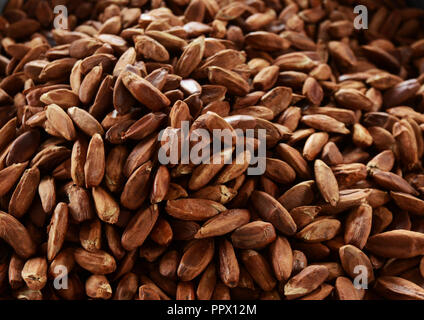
(89, 210)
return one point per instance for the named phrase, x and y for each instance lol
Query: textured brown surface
(82, 186)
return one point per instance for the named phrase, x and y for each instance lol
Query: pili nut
(281, 258)
(64, 98)
(349, 174)
(144, 91)
(351, 257)
(235, 169)
(353, 99)
(98, 287)
(61, 122)
(230, 79)
(94, 167)
(304, 215)
(398, 288)
(358, 225)
(78, 157)
(115, 162)
(145, 126)
(195, 259)
(207, 283)
(266, 41)
(322, 292)
(218, 193)
(325, 123)
(408, 203)
(90, 235)
(342, 53)
(191, 57)
(204, 173)
(193, 209)
(139, 228)
(313, 91)
(320, 230)
(305, 281)
(34, 273)
(161, 185)
(99, 262)
(80, 204)
(149, 48)
(47, 193)
(223, 223)
(399, 244)
(85, 121)
(314, 145)
(229, 269)
(106, 207)
(279, 171)
(162, 232)
(392, 181)
(147, 292)
(16, 235)
(259, 269)
(295, 61)
(127, 287)
(254, 235)
(57, 230)
(272, 211)
(138, 181)
(299, 195)
(10, 175)
(185, 291)
(326, 182)
(345, 290)
(24, 192)
(23, 147)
